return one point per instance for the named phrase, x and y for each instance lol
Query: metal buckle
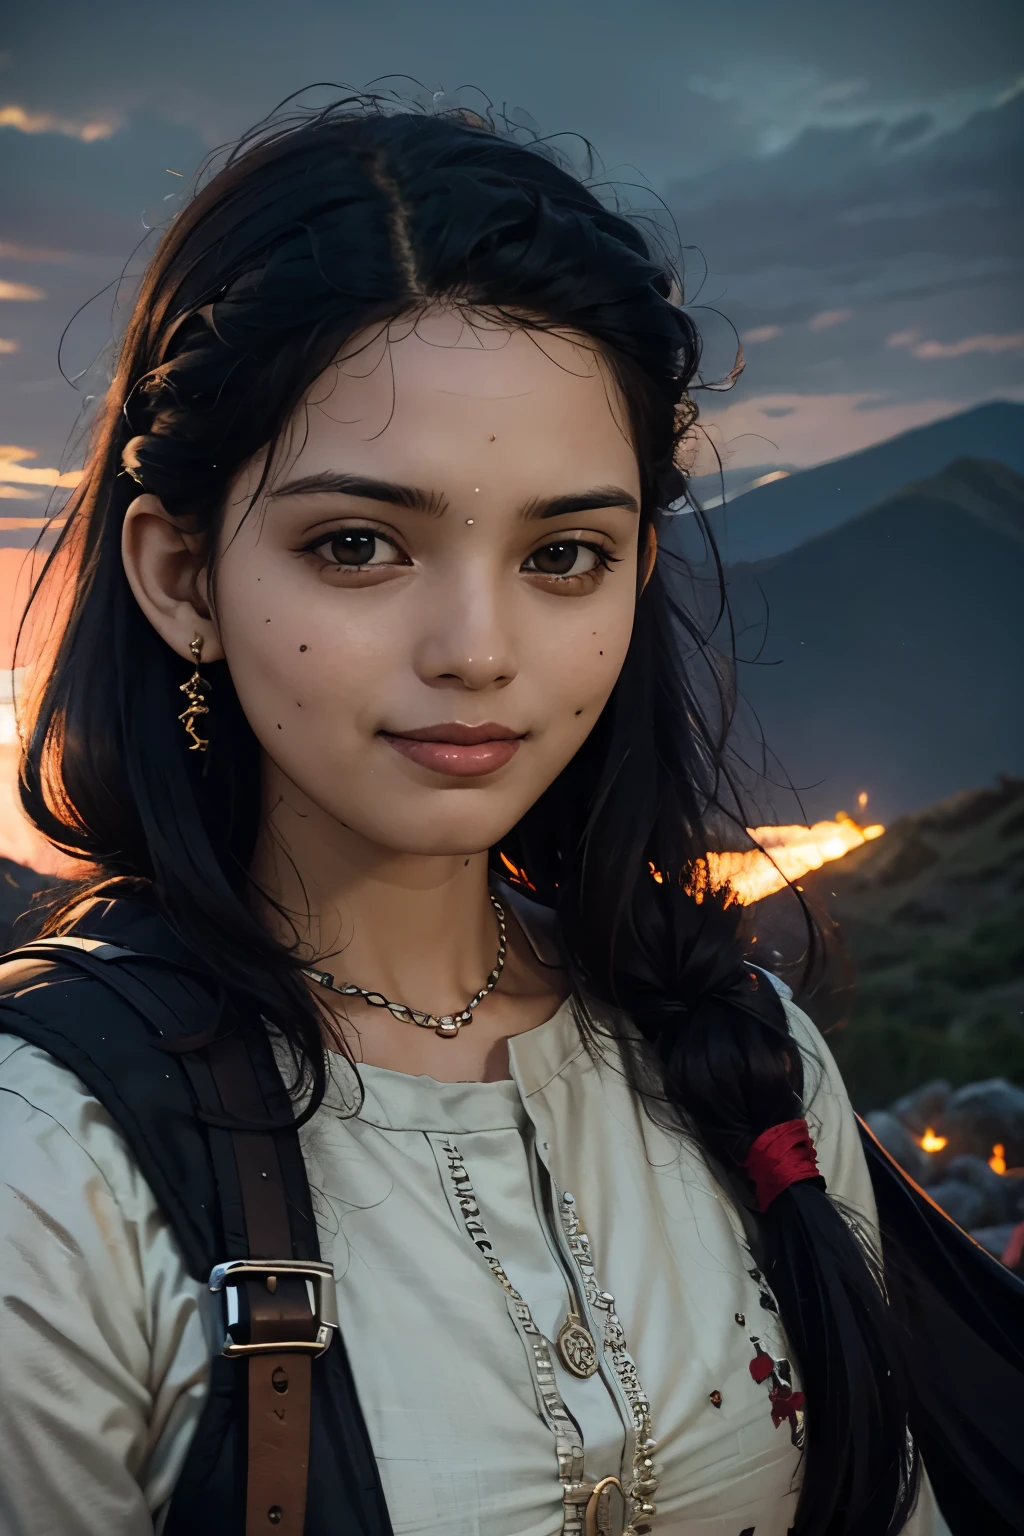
(324, 1302)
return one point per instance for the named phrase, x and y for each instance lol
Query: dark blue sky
(846, 174)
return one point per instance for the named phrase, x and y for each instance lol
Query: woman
(367, 617)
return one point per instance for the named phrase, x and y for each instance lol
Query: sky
(843, 179)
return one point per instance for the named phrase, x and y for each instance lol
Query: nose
(467, 639)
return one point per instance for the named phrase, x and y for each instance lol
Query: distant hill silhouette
(894, 647)
(777, 517)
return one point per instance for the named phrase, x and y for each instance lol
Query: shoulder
(831, 1119)
(55, 1131)
(829, 1113)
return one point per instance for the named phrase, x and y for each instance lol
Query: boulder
(899, 1143)
(922, 1108)
(963, 1202)
(994, 1239)
(996, 1190)
(978, 1116)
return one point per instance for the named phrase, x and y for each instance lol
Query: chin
(439, 833)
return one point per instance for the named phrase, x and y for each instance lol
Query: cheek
(576, 664)
(303, 668)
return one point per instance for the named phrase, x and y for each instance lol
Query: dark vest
(109, 1014)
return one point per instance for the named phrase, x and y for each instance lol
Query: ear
(166, 570)
(650, 555)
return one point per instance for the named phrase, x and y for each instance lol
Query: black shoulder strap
(93, 1006)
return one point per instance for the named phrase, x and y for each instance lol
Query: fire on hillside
(785, 854)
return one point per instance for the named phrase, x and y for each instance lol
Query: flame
(519, 876)
(997, 1162)
(789, 852)
(862, 799)
(932, 1143)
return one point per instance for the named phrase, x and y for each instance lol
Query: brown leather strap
(279, 1310)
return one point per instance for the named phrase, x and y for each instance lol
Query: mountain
(779, 516)
(886, 655)
(931, 917)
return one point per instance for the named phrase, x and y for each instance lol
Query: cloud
(988, 341)
(12, 116)
(8, 346)
(803, 429)
(762, 333)
(903, 338)
(840, 91)
(1007, 342)
(22, 291)
(828, 318)
(13, 252)
(13, 473)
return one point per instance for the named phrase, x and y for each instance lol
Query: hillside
(779, 516)
(885, 655)
(931, 916)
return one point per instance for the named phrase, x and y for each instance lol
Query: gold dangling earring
(196, 690)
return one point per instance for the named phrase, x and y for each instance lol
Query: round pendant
(576, 1349)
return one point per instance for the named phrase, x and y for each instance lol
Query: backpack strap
(281, 1311)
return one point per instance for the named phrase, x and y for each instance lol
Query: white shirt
(105, 1338)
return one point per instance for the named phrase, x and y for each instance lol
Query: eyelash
(605, 559)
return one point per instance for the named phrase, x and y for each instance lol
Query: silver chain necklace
(447, 1024)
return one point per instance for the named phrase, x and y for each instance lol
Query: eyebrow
(334, 483)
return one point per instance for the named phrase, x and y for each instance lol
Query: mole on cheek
(579, 711)
(303, 647)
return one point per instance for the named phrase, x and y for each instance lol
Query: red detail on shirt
(761, 1367)
(785, 1404)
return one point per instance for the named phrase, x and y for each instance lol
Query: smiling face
(429, 606)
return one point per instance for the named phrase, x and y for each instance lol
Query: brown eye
(569, 559)
(355, 548)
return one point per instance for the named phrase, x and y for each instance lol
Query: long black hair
(317, 226)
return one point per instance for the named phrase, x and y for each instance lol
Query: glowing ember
(517, 875)
(932, 1143)
(789, 852)
(997, 1162)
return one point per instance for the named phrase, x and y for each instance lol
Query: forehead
(431, 394)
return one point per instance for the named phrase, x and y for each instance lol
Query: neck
(418, 928)
(393, 922)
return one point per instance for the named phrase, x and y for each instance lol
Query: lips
(460, 751)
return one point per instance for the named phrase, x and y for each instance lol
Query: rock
(963, 1202)
(922, 1108)
(995, 1189)
(976, 1118)
(994, 1239)
(1015, 1197)
(899, 1143)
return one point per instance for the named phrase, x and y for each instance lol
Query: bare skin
(350, 620)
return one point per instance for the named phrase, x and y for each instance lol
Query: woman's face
(428, 608)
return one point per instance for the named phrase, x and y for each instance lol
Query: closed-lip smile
(458, 750)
